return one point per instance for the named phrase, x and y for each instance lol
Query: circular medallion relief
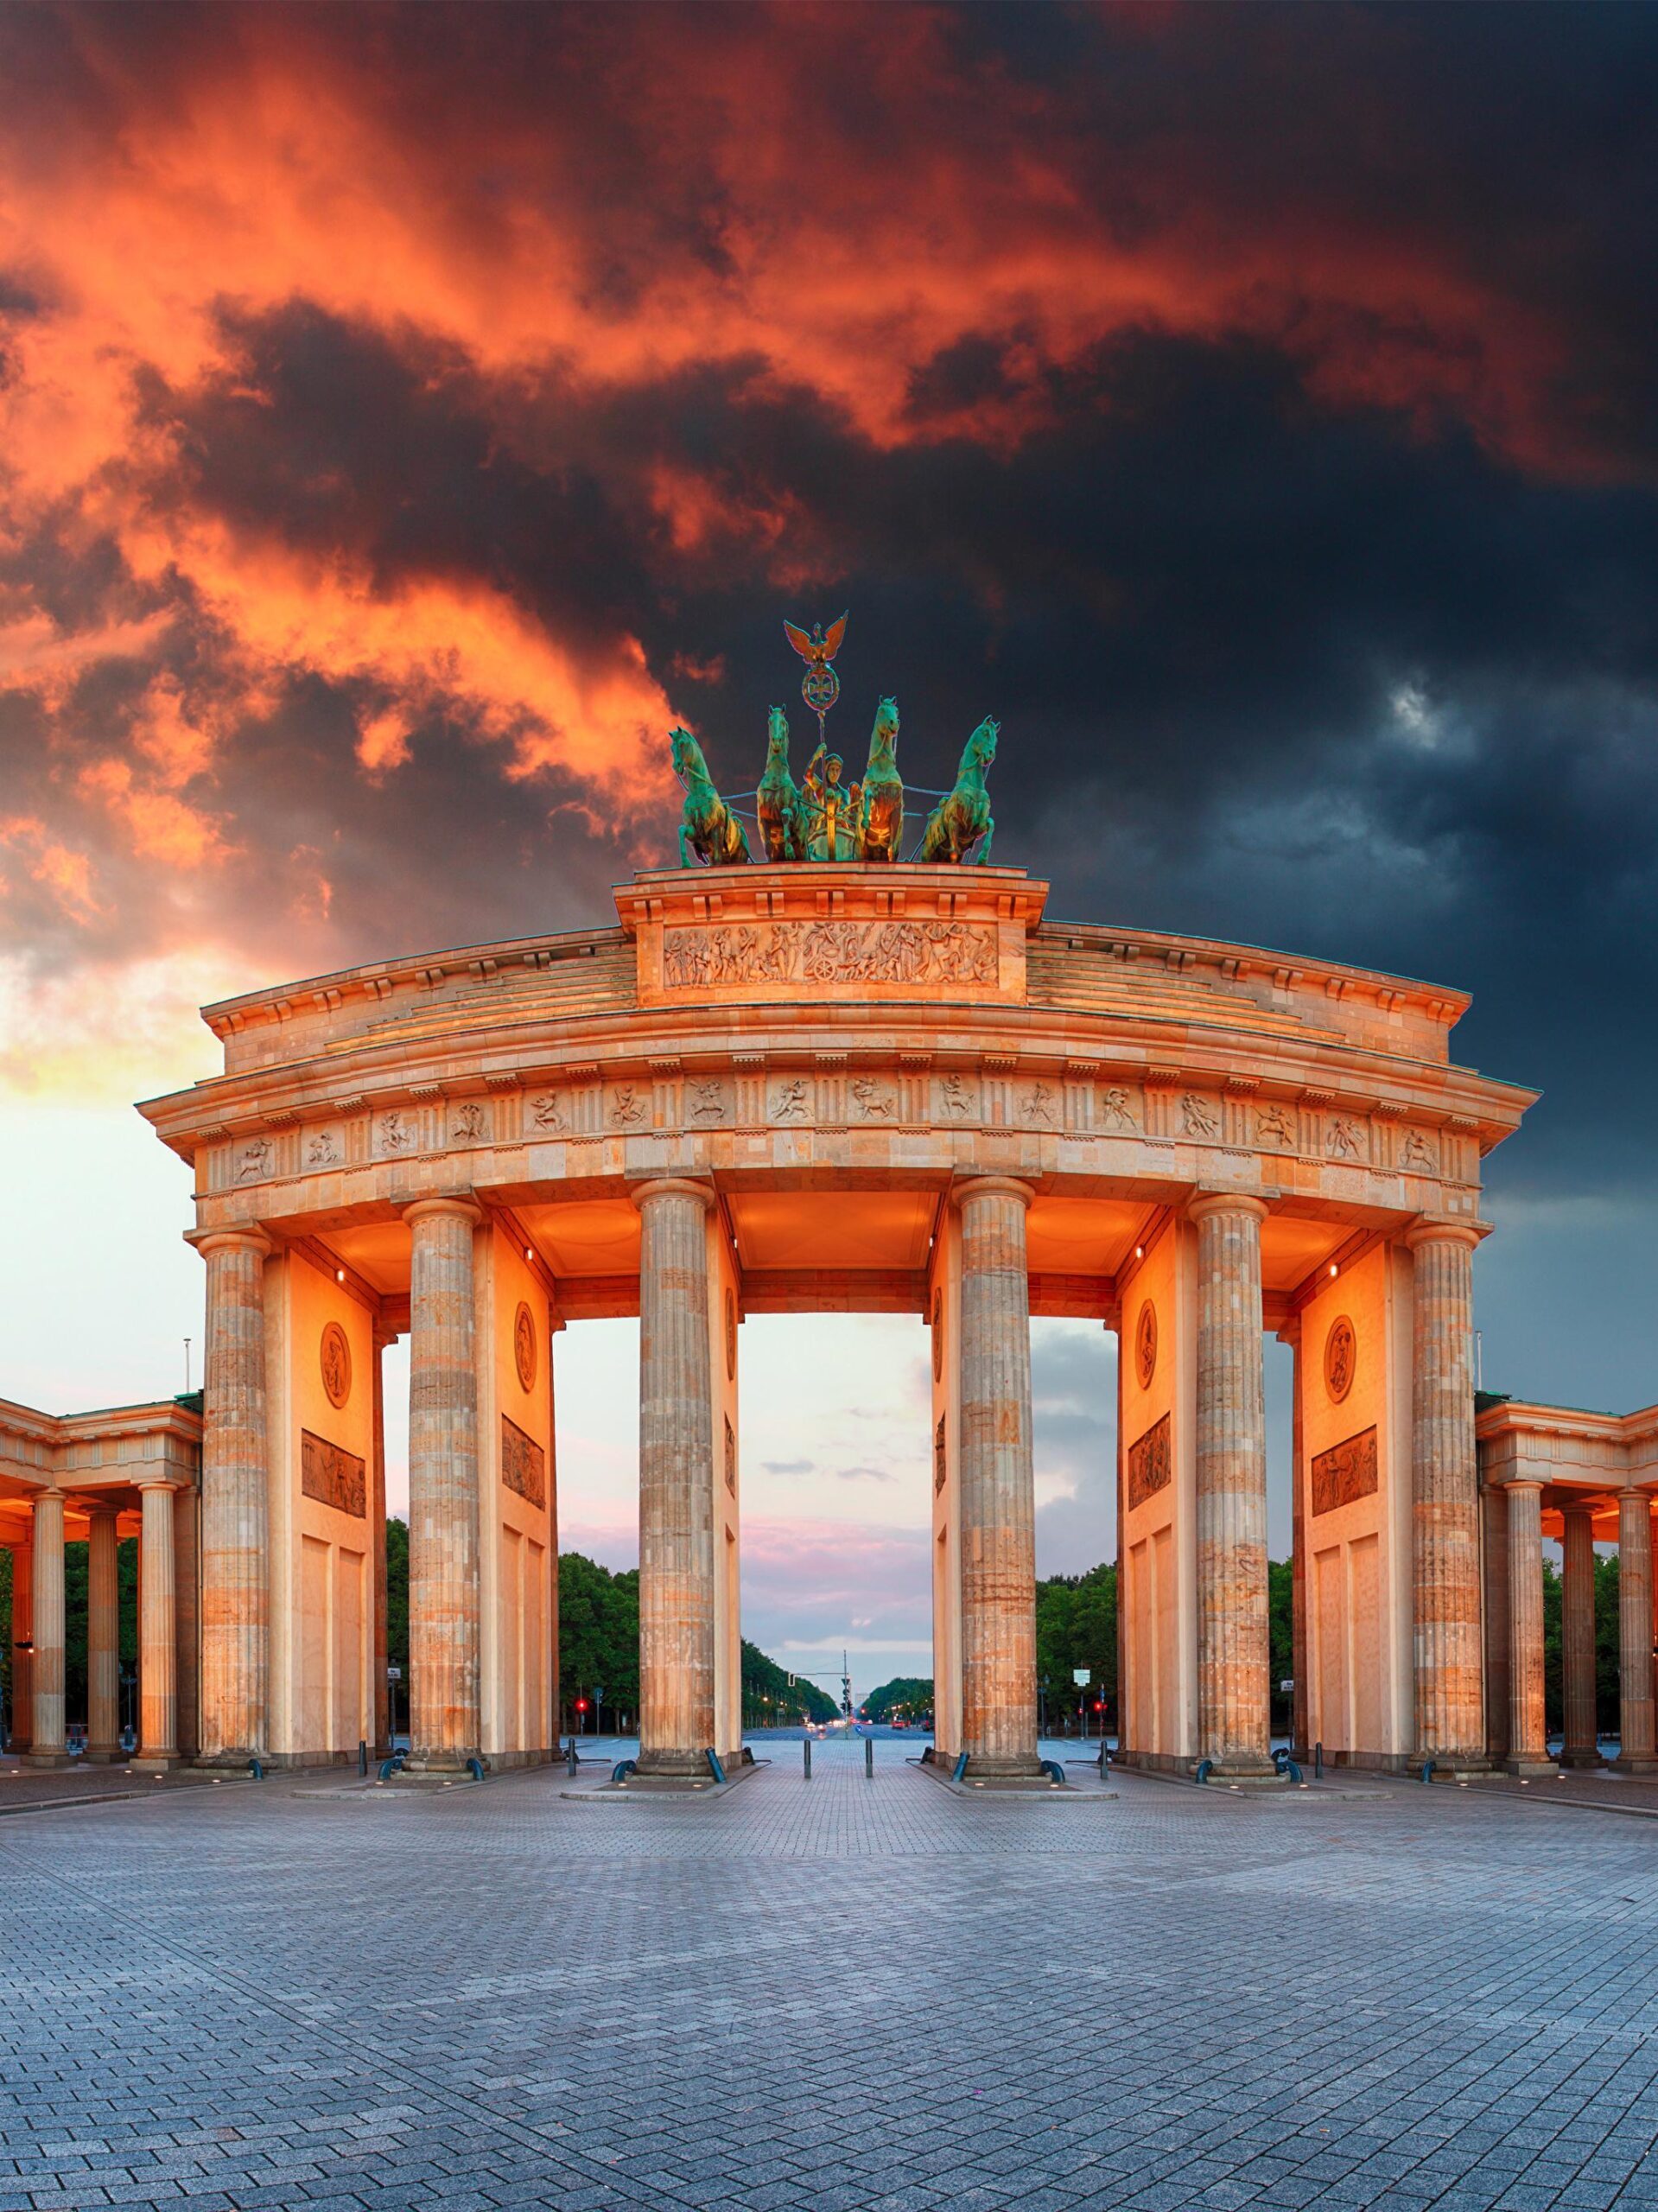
(336, 1364)
(1341, 1358)
(1145, 1344)
(523, 1345)
(938, 1336)
(731, 1335)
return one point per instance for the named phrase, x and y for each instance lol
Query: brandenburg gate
(841, 1084)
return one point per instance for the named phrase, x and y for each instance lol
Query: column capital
(1207, 1203)
(1582, 1508)
(156, 1481)
(972, 1186)
(250, 1239)
(1634, 1491)
(1524, 1482)
(455, 1203)
(49, 1494)
(670, 1187)
(1426, 1231)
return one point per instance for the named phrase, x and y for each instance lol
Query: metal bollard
(869, 1757)
(362, 1757)
(1318, 1761)
(573, 1758)
(807, 1748)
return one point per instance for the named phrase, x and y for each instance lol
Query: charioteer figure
(832, 809)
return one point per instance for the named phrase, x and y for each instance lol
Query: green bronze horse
(782, 811)
(706, 826)
(957, 822)
(880, 821)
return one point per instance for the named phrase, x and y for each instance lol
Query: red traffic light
(1099, 1705)
(581, 1705)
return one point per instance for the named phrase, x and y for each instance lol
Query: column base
(1643, 1763)
(103, 1755)
(676, 1769)
(1022, 1767)
(1579, 1761)
(231, 1761)
(1243, 1774)
(1530, 1769)
(155, 1762)
(47, 1760)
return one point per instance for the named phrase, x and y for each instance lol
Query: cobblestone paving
(827, 1996)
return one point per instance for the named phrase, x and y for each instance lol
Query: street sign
(1080, 1674)
(1286, 1687)
(394, 1674)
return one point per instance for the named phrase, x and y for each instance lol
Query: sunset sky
(409, 415)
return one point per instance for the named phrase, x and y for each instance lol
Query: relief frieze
(524, 1465)
(913, 952)
(333, 1476)
(1149, 1464)
(1346, 1471)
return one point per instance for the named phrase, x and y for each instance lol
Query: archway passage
(846, 1089)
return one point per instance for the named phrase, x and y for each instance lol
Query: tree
(1075, 1628)
(908, 1696)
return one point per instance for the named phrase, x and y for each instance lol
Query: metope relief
(322, 1149)
(253, 1161)
(1343, 1139)
(1116, 1111)
(829, 952)
(1149, 1464)
(1273, 1126)
(396, 1135)
(467, 1126)
(1040, 1106)
(1197, 1117)
(524, 1465)
(792, 1100)
(956, 1099)
(705, 1101)
(875, 1100)
(547, 1114)
(629, 1107)
(332, 1476)
(1347, 1471)
(1417, 1152)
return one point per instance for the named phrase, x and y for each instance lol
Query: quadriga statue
(827, 819)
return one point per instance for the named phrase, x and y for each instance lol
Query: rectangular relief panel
(524, 1465)
(332, 1476)
(1345, 1473)
(1150, 1466)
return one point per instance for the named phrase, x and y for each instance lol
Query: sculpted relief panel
(919, 953)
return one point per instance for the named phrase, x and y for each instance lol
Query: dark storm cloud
(1252, 408)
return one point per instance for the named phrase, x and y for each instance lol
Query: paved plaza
(844, 1993)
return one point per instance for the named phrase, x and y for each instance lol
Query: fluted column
(381, 1707)
(1577, 1638)
(1528, 1739)
(158, 1663)
(1444, 1493)
(1291, 1335)
(1635, 1750)
(235, 1503)
(998, 1482)
(1234, 1655)
(676, 1480)
(103, 1637)
(445, 1729)
(22, 1647)
(49, 1748)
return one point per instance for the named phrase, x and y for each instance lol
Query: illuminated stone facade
(805, 1088)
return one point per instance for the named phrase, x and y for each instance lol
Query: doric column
(103, 1637)
(235, 1503)
(444, 1726)
(49, 1748)
(998, 1482)
(1528, 1739)
(22, 1647)
(1635, 1750)
(1234, 1664)
(382, 1698)
(1290, 1334)
(1577, 1638)
(158, 1662)
(676, 1480)
(1444, 1493)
